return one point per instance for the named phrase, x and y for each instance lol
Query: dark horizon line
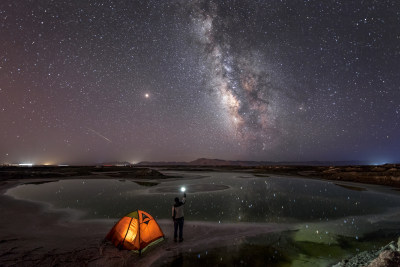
(193, 163)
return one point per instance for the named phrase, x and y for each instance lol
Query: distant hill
(161, 163)
(115, 163)
(221, 162)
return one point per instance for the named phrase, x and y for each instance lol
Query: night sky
(97, 81)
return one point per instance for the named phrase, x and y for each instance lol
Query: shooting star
(98, 134)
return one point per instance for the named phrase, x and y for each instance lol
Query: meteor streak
(98, 134)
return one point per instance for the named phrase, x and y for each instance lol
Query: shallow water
(221, 197)
(323, 213)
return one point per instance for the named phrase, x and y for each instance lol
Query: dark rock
(387, 258)
(388, 255)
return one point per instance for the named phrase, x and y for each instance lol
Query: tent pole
(127, 230)
(139, 218)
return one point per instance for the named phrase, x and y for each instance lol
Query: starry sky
(96, 81)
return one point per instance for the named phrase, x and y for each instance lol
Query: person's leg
(176, 224)
(181, 229)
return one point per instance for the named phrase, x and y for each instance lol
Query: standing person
(177, 216)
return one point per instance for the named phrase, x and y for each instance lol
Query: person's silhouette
(177, 217)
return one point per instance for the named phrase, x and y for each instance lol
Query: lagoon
(324, 214)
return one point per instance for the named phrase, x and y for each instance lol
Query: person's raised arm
(184, 198)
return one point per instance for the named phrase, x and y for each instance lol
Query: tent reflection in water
(135, 231)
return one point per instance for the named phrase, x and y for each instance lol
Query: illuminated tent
(135, 231)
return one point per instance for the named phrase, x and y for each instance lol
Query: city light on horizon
(26, 164)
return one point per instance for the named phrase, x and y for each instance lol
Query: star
(323, 86)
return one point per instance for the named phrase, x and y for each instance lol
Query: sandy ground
(33, 235)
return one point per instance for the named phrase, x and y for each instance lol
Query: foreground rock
(387, 256)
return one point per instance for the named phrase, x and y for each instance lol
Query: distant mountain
(221, 162)
(115, 163)
(161, 163)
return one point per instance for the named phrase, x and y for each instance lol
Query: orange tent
(135, 231)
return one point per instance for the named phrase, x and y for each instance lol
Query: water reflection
(220, 197)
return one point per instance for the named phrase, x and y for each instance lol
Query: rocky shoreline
(8, 173)
(387, 256)
(387, 174)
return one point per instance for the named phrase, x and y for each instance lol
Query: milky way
(239, 77)
(99, 81)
